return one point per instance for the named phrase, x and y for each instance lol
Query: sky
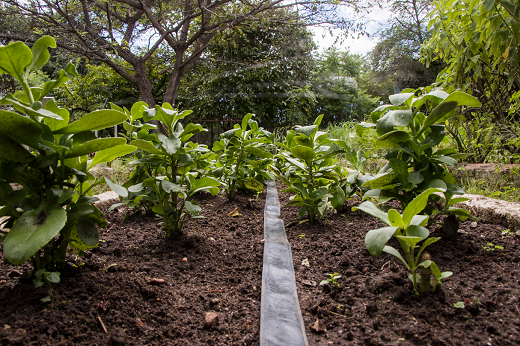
(362, 45)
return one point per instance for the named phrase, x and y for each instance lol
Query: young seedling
(331, 280)
(492, 247)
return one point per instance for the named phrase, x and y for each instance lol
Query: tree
(395, 61)
(127, 34)
(338, 94)
(257, 68)
(479, 42)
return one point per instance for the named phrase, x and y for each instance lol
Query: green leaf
(438, 112)
(392, 251)
(40, 53)
(416, 206)
(170, 144)
(254, 184)
(380, 180)
(96, 120)
(509, 6)
(411, 241)
(258, 152)
(95, 145)
(33, 230)
(147, 147)
(400, 118)
(203, 183)
(192, 208)
(303, 153)
(392, 139)
(395, 218)
(55, 124)
(121, 191)
(417, 231)
(445, 159)
(14, 58)
(399, 99)
(136, 188)
(87, 231)
(376, 239)
(79, 209)
(305, 130)
(63, 195)
(372, 209)
(488, 5)
(170, 187)
(12, 151)
(20, 128)
(107, 155)
(137, 109)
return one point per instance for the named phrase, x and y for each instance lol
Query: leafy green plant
(43, 277)
(408, 228)
(332, 279)
(243, 157)
(170, 177)
(411, 129)
(310, 170)
(45, 183)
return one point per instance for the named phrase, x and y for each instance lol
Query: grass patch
(118, 171)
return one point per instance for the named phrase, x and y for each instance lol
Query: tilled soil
(145, 289)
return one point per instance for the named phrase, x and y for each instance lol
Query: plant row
(46, 183)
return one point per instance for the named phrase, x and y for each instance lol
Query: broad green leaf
(121, 191)
(228, 134)
(376, 113)
(14, 58)
(203, 183)
(147, 147)
(417, 231)
(305, 130)
(488, 5)
(392, 139)
(192, 208)
(361, 127)
(411, 241)
(170, 187)
(458, 200)
(61, 78)
(245, 121)
(454, 189)
(55, 124)
(400, 118)
(96, 120)
(399, 99)
(137, 109)
(12, 151)
(303, 153)
(87, 231)
(11, 100)
(79, 209)
(445, 159)
(110, 154)
(415, 178)
(158, 208)
(170, 144)
(33, 230)
(19, 128)
(400, 169)
(376, 239)
(435, 184)
(189, 131)
(372, 209)
(254, 184)
(95, 145)
(509, 6)
(63, 195)
(419, 220)
(40, 53)
(438, 112)
(416, 206)
(392, 251)
(395, 218)
(295, 163)
(380, 180)
(258, 152)
(136, 188)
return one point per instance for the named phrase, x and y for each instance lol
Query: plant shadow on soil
(149, 290)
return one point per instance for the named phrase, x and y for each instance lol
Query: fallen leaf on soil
(303, 221)
(309, 283)
(154, 281)
(318, 327)
(235, 213)
(211, 319)
(305, 262)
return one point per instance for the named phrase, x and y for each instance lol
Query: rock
(305, 262)
(318, 327)
(210, 320)
(474, 224)
(309, 283)
(185, 259)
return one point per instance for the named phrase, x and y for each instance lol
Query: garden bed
(146, 289)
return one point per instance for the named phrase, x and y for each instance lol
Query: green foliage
(52, 207)
(409, 230)
(411, 130)
(167, 175)
(332, 279)
(478, 41)
(243, 157)
(310, 170)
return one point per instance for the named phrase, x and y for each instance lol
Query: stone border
(281, 320)
(490, 210)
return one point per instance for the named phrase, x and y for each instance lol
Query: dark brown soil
(152, 296)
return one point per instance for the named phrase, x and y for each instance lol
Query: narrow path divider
(281, 320)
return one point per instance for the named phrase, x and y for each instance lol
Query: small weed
(332, 279)
(459, 305)
(302, 236)
(491, 247)
(507, 232)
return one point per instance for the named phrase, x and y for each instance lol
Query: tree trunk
(145, 89)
